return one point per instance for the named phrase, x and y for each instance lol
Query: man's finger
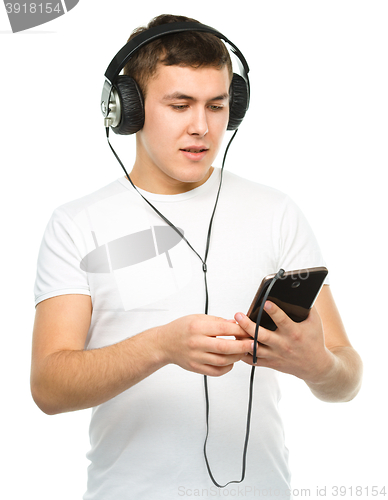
(264, 336)
(229, 346)
(278, 316)
(223, 328)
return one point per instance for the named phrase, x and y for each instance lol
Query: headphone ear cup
(132, 106)
(239, 101)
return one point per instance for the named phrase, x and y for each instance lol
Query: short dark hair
(189, 48)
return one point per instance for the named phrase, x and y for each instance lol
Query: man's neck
(160, 183)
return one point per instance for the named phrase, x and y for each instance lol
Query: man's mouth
(194, 150)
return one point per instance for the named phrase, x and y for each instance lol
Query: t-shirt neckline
(172, 198)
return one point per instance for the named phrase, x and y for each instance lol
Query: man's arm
(343, 381)
(66, 377)
(317, 350)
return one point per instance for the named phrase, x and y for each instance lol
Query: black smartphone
(295, 293)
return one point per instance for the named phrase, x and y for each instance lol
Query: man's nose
(198, 122)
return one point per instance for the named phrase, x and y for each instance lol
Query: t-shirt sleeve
(298, 246)
(58, 268)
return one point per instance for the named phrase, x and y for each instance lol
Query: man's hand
(191, 342)
(295, 348)
(317, 350)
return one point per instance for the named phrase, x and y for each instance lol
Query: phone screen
(294, 293)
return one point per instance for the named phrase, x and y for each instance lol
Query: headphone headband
(124, 54)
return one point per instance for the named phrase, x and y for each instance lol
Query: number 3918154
(33, 8)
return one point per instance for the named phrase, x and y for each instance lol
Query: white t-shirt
(148, 441)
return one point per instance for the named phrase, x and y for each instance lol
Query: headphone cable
(204, 268)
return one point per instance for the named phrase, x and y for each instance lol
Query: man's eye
(215, 108)
(179, 107)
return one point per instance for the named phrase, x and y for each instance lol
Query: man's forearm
(75, 380)
(67, 380)
(343, 380)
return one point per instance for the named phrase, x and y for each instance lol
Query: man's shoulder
(252, 190)
(74, 207)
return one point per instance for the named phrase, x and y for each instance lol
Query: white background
(317, 129)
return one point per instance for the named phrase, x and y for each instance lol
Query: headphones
(122, 103)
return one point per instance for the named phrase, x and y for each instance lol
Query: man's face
(186, 115)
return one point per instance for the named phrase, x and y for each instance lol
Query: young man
(120, 327)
